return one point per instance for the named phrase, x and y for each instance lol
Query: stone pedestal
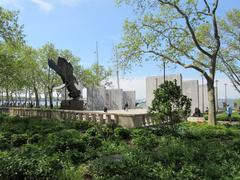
(72, 104)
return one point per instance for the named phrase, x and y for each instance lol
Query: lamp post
(117, 66)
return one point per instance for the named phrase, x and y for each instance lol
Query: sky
(78, 24)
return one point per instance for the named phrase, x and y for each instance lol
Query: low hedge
(224, 117)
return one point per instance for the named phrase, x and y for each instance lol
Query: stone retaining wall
(125, 120)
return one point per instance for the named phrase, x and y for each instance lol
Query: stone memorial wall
(191, 90)
(113, 99)
(129, 97)
(153, 82)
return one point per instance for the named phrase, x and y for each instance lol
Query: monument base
(72, 104)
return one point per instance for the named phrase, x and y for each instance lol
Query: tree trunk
(211, 103)
(25, 103)
(11, 98)
(7, 97)
(36, 97)
(19, 98)
(15, 98)
(50, 90)
(2, 97)
(45, 99)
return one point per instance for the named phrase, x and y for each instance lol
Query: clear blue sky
(77, 25)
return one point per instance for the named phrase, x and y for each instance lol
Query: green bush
(94, 142)
(19, 139)
(52, 149)
(66, 140)
(122, 133)
(35, 138)
(29, 163)
(224, 117)
(169, 105)
(146, 142)
(5, 143)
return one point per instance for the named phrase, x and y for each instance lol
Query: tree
(169, 105)
(230, 53)
(95, 76)
(49, 78)
(12, 33)
(10, 67)
(181, 32)
(31, 72)
(10, 30)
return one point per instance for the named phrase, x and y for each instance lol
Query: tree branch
(215, 27)
(215, 6)
(188, 25)
(165, 30)
(231, 70)
(204, 73)
(187, 55)
(207, 5)
(170, 43)
(206, 14)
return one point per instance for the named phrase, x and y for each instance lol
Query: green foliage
(10, 29)
(230, 51)
(122, 133)
(19, 139)
(33, 148)
(169, 105)
(95, 75)
(147, 142)
(31, 163)
(224, 117)
(35, 138)
(160, 32)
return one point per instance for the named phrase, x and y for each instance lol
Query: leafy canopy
(10, 30)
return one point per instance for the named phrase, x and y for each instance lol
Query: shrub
(117, 168)
(138, 132)
(4, 142)
(94, 142)
(66, 140)
(79, 125)
(146, 142)
(169, 104)
(19, 139)
(105, 132)
(92, 131)
(122, 133)
(29, 163)
(67, 151)
(36, 138)
(224, 117)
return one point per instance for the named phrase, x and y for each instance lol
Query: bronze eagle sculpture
(65, 70)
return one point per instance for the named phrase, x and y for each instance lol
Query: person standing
(126, 106)
(229, 112)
